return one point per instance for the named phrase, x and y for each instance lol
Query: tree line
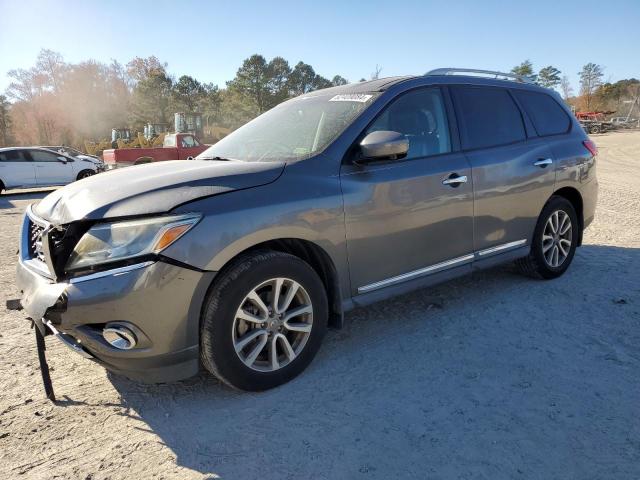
(594, 93)
(57, 102)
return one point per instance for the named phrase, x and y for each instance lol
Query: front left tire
(263, 321)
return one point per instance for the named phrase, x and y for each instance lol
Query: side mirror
(62, 159)
(384, 144)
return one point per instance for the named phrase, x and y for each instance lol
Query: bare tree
(5, 121)
(567, 89)
(590, 79)
(375, 75)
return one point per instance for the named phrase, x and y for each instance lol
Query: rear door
(51, 169)
(411, 217)
(513, 170)
(16, 170)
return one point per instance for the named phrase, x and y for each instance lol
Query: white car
(39, 167)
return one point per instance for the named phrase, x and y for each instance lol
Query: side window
(12, 156)
(488, 116)
(547, 116)
(41, 156)
(188, 141)
(421, 116)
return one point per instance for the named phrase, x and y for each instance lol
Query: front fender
(309, 209)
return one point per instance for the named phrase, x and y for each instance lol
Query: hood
(89, 158)
(151, 188)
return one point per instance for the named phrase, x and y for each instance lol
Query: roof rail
(481, 73)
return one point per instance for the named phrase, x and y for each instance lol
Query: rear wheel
(554, 241)
(263, 321)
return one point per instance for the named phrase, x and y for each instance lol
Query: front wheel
(554, 241)
(85, 174)
(263, 321)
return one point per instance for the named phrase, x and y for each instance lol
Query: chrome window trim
(440, 266)
(416, 273)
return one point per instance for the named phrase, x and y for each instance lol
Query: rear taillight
(591, 146)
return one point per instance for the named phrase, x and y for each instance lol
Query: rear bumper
(158, 301)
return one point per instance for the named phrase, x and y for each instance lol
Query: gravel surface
(487, 377)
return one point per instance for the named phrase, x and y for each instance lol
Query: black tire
(535, 265)
(226, 295)
(85, 174)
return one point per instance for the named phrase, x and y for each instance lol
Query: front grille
(35, 241)
(57, 241)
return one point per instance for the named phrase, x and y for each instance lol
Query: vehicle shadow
(7, 200)
(488, 376)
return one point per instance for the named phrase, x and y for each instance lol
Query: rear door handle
(454, 181)
(543, 162)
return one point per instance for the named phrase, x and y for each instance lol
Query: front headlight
(110, 242)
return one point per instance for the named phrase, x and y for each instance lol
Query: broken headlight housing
(127, 239)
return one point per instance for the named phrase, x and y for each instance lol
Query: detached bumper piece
(44, 366)
(43, 328)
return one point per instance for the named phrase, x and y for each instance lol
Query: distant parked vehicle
(624, 122)
(594, 122)
(39, 167)
(72, 152)
(176, 146)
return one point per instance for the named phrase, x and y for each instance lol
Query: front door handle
(454, 180)
(543, 162)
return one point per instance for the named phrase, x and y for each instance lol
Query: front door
(513, 175)
(51, 169)
(406, 218)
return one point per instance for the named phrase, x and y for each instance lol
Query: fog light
(119, 337)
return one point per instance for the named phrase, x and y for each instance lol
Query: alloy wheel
(272, 324)
(557, 238)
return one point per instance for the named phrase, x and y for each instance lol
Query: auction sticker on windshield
(351, 97)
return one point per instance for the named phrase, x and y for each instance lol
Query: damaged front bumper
(158, 301)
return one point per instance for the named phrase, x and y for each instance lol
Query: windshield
(293, 130)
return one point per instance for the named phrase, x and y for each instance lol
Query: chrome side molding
(500, 248)
(440, 266)
(416, 273)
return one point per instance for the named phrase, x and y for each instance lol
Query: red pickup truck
(177, 146)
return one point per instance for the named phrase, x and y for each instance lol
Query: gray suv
(239, 260)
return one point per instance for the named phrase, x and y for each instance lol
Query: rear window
(170, 141)
(488, 116)
(547, 116)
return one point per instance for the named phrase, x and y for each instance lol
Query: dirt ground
(488, 377)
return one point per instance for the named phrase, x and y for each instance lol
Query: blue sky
(209, 39)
